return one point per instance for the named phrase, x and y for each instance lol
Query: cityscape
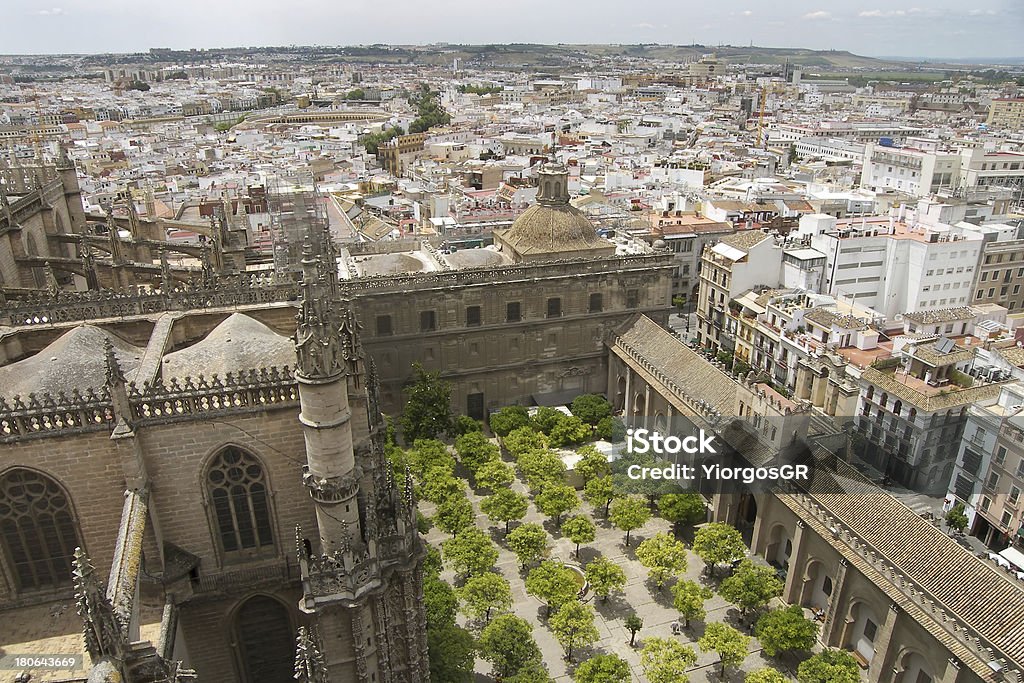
(534, 362)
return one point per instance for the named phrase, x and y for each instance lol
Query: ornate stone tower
(362, 575)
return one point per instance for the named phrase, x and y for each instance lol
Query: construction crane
(765, 91)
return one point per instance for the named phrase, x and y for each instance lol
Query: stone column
(796, 578)
(882, 641)
(952, 672)
(835, 601)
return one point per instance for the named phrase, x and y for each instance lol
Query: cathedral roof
(238, 343)
(75, 360)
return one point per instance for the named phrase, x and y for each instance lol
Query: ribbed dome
(546, 228)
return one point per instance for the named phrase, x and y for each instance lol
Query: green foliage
(682, 508)
(556, 499)
(600, 492)
(545, 419)
(603, 669)
(730, 644)
(429, 454)
(505, 506)
(452, 654)
(440, 484)
(529, 542)
(765, 676)
(569, 431)
(591, 408)
(552, 583)
(471, 552)
(786, 630)
(485, 593)
(651, 489)
(372, 141)
(718, 542)
(454, 515)
(507, 643)
(531, 672)
(678, 300)
(629, 514)
(663, 556)
(751, 586)
(579, 529)
(689, 598)
(356, 94)
(430, 112)
(479, 89)
(633, 624)
(432, 562)
(956, 518)
(573, 626)
(522, 440)
(428, 410)
(508, 419)
(464, 424)
(829, 666)
(606, 429)
(439, 601)
(541, 468)
(494, 475)
(605, 577)
(592, 463)
(141, 86)
(474, 450)
(423, 523)
(666, 660)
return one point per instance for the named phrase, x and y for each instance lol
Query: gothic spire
(100, 628)
(316, 340)
(310, 666)
(115, 375)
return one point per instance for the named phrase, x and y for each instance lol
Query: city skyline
(987, 29)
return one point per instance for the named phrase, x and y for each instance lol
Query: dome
(552, 228)
(238, 343)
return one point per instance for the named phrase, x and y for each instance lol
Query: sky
(912, 28)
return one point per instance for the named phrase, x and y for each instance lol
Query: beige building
(1006, 114)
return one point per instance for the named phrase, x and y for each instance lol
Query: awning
(1014, 557)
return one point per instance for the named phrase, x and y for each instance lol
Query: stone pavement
(640, 596)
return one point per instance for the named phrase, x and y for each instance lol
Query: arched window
(37, 529)
(266, 645)
(237, 486)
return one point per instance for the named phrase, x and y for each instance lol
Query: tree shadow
(615, 607)
(662, 596)
(588, 554)
(553, 529)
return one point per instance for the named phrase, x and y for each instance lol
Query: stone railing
(698, 405)
(177, 399)
(945, 619)
(60, 415)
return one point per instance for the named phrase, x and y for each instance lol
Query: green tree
(629, 514)
(718, 542)
(494, 475)
(470, 553)
(751, 586)
(432, 563)
(607, 428)
(650, 489)
(604, 577)
(529, 542)
(485, 593)
(730, 644)
(531, 672)
(633, 624)
(545, 419)
(505, 506)
(956, 519)
(591, 408)
(523, 440)
(765, 676)
(454, 515)
(689, 598)
(440, 484)
(474, 450)
(552, 583)
(600, 492)
(592, 464)
(665, 660)
(603, 669)
(573, 626)
(508, 419)
(682, 508)
(786, 630)
(555, 500)
(372, 141)
(452, 654)
(439, 601)
(429, 454)
(579, 529)
(663, 556)
(829, 666)
(507, 643)
(793, 155)
(357, 94)
(428, 410)
(464, 424)
(569, 431)
(541, 468)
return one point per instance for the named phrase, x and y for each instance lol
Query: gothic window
(596, 303)
(266, 647)
(513, 312)
(238, 492)
(37, 529)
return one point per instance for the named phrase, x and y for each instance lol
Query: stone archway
(620, 394)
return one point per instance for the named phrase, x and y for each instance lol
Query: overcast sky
(927, 28)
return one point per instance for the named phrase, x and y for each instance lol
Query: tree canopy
(505, 506)
(552, 583)
(604, 576)
(483, 594)
(682, 508)
(786, 630)
(751, 586)
(829, 666)
(629, 514)
(718, 542)
(428, 411)
(666, 660)
(603, 669)
(507, 643)
(472, 552)
(529, 542)
(556, 499)
(573, 626)
(689, 598)
(730, 644)
(579, 530)
(508, 419)
(663, 556)
(591, 408)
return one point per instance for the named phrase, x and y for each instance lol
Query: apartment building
(1006, 114)
(913, 171)
(685, 234)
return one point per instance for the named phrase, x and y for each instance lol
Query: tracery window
(37, 529)
(237, 485)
